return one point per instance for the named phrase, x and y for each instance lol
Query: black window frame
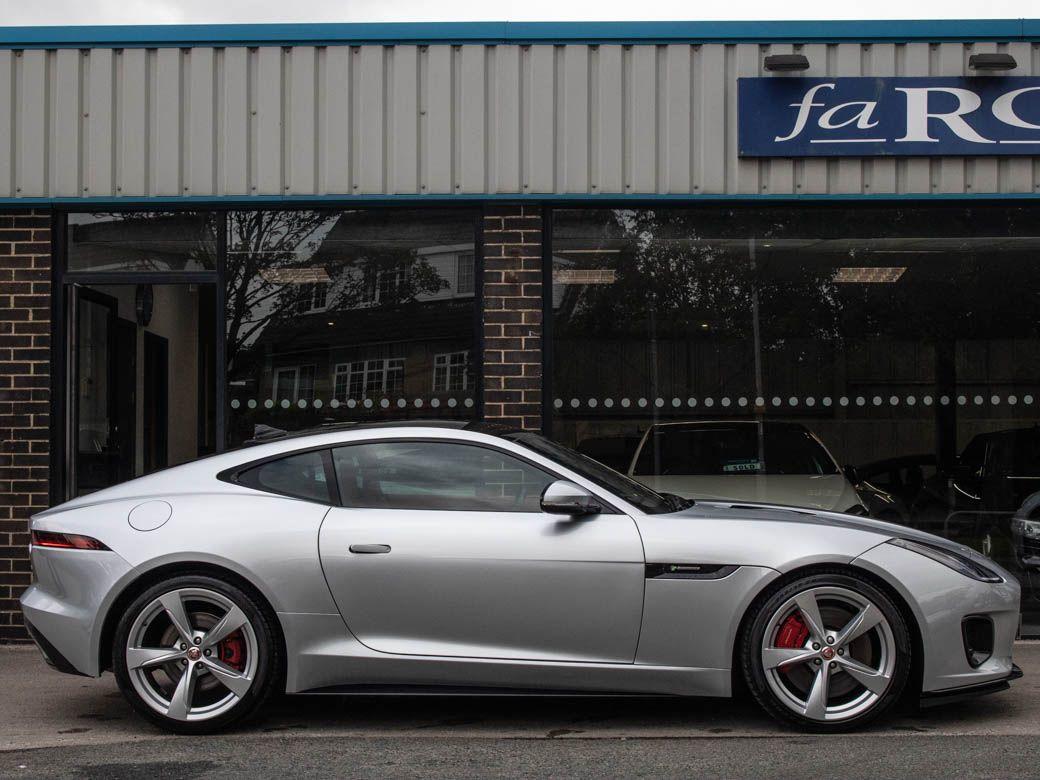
(63, 280)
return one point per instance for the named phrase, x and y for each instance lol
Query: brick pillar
(513, 315)
(25, 332)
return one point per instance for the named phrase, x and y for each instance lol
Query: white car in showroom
(764, 462)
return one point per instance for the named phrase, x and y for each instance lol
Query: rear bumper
(50, 653)
(65, 607)
(951, 695)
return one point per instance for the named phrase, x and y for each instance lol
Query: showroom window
(136, 342)
(227, 320)
(883, 360)
(349, 309)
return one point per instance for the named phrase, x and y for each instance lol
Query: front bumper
(951, 695)
(65, 606)
(941, 599)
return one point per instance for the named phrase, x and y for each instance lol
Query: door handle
(370, 549)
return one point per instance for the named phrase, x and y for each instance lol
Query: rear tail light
(66, 541)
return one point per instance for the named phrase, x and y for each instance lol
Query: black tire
(751, 644)
(266, 678)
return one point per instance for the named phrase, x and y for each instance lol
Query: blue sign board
(784, 116)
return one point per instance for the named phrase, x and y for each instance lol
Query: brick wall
(513, 315)
(25, 274)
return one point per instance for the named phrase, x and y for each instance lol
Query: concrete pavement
(59, 724)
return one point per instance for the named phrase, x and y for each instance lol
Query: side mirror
(566, 498)
(851, 474)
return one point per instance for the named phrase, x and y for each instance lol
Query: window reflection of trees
(142, 241)
(272, 253)
(364, 295)
(761, 287)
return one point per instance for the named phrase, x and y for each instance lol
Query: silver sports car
(444, 557)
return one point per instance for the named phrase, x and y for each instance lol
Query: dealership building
(791, 262)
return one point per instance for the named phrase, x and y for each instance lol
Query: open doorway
(139, 356)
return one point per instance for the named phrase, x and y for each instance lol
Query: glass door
(139, 355)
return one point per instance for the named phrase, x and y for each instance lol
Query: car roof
(267, 435)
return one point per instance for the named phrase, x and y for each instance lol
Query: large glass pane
(142, 241)
(756, 354)
(334, 316)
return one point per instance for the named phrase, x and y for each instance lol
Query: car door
(441, 548)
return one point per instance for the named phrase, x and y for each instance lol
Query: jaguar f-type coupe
(459, 558)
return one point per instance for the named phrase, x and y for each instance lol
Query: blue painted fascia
(188, 35)
(268, 201)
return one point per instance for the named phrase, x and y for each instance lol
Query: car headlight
(959, 563)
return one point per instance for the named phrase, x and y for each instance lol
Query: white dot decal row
(793, 401)
(352, 403)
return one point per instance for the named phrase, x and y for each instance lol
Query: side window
(437, 475)
(299, 476)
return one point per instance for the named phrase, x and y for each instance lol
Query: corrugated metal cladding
(441, 119)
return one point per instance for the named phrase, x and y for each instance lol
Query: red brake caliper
(232, 651)
(793, 632)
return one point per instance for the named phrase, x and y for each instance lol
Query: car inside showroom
(784, 263)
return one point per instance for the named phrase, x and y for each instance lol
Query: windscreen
(631, 491)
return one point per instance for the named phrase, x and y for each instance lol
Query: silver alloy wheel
(846, 662)
(173, 654)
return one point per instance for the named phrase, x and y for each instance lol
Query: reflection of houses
(369, 317)
(410, 350)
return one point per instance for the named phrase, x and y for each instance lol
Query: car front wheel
(195, 654)
(828, 652)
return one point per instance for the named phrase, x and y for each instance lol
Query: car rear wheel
(828, 652)
(195, 654)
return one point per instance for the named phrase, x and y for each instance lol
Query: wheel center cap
(194, 654)
(827, 653)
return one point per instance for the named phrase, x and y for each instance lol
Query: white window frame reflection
(465, 273)
(388, 284)
(297, 373)
(313, 297)
(365, 378)
(448, 369)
